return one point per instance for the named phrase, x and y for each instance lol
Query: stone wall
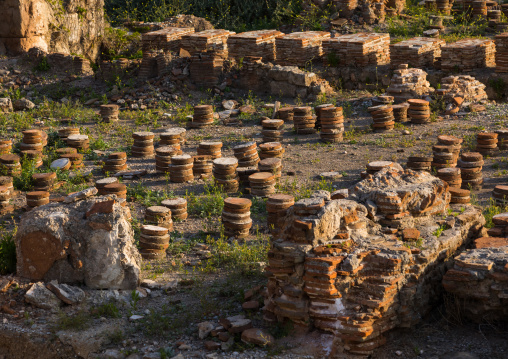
(67, 26)
(360, 266)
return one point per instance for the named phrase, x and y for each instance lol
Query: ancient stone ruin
(72, 26)
(360, 266)
(82, 240)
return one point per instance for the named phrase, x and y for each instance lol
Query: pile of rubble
(464, 86)
(408, 83)
(360, 266)
(479, 278)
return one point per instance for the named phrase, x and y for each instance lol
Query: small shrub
(43, 65)
(7, 252)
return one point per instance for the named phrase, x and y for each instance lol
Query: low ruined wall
(69, 26)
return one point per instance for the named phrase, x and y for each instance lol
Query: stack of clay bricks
(116, 188)
(277, 207)
(259, 43)
(459, 196)
(446, 152)
(502, 52)
(212, 149)
(500, 228)
(467, 55)
(317, 110)
(303, 121)
(203, 116)
(285, 114)
(65, 132)
(153, 242)
(419, 163)
(173, 136)
(178, 208)
(159, 216)
(76, 160)
(417, 52)
(79, 142)
(382, 116)
(247, 154)
(479, 9)
(115, 162)
(5, 147)
(272, 130)
(203, 166)
(6, 193)
(500, 195)
(148, 67)
(332, 124)
(214, 40)
(81, 66)
(167, 39)
(236, 217)
(33, 140)
(444, 6)
(271, 150)
(180, 169)
(486, 143)
(361, 49)
(382, 100)
(464, 86)
(44, 181)
(102, 183)
(244, 173)
(163, 157)
(262, 184)
(419, 111)
(109, 113)
(400, 112)
(206, 68)
(451, 175)
(300, 48)
(471, 165)
(225, 175)
(10, 164)
(37, 198)
(502, 139)
(408, 83)
(272, 165)
(143, 144)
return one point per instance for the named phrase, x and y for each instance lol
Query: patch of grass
(490, 211)
(209, 204)
(7, 251)
(80, 321)
(107, 310)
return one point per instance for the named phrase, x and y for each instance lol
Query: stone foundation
(339, 266)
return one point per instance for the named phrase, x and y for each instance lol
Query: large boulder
(89, 240)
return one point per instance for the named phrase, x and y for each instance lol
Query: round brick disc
(237, 203)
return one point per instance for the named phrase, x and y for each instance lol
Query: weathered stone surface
(59, 242)
(204, 329)
(257, 337)
(73, 26)
(42, 297)
(23, 104)
(5, 104)
(66, 293)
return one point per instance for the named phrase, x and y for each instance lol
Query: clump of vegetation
(237, 15)
(120, 43)
(43, 65)
(7, 251)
